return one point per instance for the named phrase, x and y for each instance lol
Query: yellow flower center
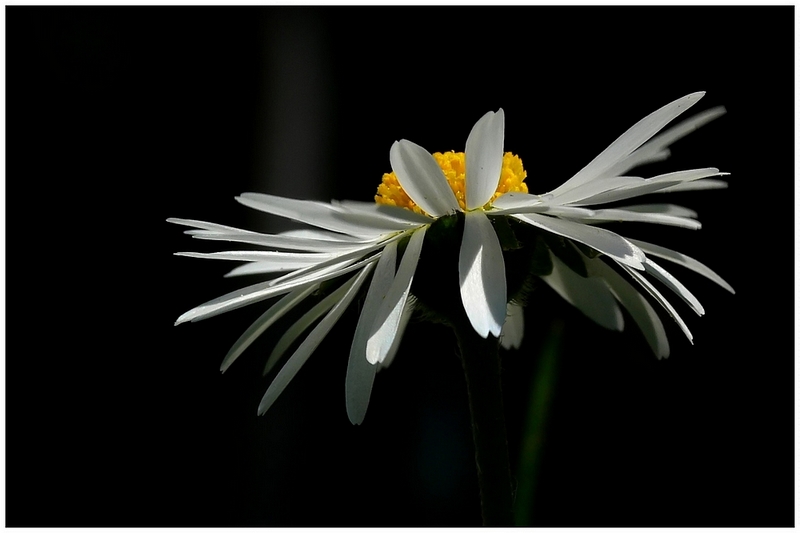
(512, 179)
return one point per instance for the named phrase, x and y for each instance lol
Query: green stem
(481, 361)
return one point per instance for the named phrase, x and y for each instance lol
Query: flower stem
(481, 361)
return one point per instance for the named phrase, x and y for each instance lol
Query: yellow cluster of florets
(512, 179)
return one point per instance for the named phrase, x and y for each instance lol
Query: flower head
(587, 265)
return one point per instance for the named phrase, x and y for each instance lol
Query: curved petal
(484, 159)
(590, 295)
(637, 305)
(482, 275)
(629, 141)
(387, 320)
(422, 179)
(600, 239)
(360, 373)
(304, 351)
(514, 328)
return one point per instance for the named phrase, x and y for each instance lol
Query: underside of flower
(453, 165)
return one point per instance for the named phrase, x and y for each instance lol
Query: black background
(118, 118)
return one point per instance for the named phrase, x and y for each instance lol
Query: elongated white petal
(589, 295)
(387, 320)
(664, 209)
(637, 305)
(699, 185)
(655, 148)
(209, 226)
(354, 254)
(258, 267)
(281, 260)
(584, 194)
(422, 179)
(652, 268)
(360, 372)
(408, 310)
(385, 211)
(278, 241)
(311, 342)
(641, 187)
(484, 159)
(482, 275)
(683, 260)
(600, 239)
(318, 214)
(279, 309)
(262, 291)
(624, 215)
(644, 282)
(514, 328)
(513, 203)
(303, 323)
(629, 141)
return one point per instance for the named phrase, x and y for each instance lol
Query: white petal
(637, 305)
(638, 186)
(279, 309)
(408, 310)
(422, 179)
(303, 323)
(664, 209)
(629, 141)
(600, 239)
(516, 200)
(684, 260)
(514, 328)
(281, 260)
(318, 214)
(311, 342)
(361, 373)
(387, 319)
(484, 159)
(386, 211)
(660, 299)
(262, 291)
(655, 148)
(677, 287)
(699, 185)
(482, 275)
(278, 241)
(590, 295)
(336, 259)
(624, 215)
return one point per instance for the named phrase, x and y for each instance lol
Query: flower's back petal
(311, 342)
(684, 260)
(637, 305)
(482, 275)
(422, 179)
(514, 327)
(360, 372)
(600, 239)
(279, 309)
(589, 295)
(387, 320)
(629, 141)
(484, 159)
(676, 286)
(300, 325)
(319, 214)
(644, 282)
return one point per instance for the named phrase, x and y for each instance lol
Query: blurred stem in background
(541, 395)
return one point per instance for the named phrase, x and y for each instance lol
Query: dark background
(118, 118)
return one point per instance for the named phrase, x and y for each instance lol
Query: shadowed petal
(311, 342)
(482, 275)
(387, 320)
(360, 373)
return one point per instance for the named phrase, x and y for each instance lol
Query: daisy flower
(479, 197)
